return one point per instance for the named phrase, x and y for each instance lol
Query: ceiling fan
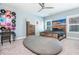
(43, 7)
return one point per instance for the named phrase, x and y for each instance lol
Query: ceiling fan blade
(42, 5)
(48, 7)
(40, 10)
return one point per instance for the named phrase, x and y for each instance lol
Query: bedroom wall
(21, 17)
(63, 15)
(38, 27)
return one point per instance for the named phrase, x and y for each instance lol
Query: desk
(5, 35)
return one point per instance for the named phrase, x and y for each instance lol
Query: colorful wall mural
(7, 19)
(54, 23)
(60, 20)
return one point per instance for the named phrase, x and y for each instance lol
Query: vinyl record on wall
(3, 28)
(13, 17)
(2, 19)
(8, 24)
(8, 16)
(2, 11)
(13, 25)
(13, 21)
(13, 13)
(7, 19)
(13, 28)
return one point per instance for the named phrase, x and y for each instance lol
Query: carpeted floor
(70, 47)
(15, 48)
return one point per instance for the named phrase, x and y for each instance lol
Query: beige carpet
(15, 48)
(70, 47)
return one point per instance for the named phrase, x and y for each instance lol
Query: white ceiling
(34, 7)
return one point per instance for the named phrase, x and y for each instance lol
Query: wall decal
(7, 19)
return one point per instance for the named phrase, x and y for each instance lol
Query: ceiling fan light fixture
(43, 7)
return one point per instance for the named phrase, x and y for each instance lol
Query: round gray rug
(43, 45)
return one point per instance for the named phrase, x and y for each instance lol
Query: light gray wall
(38, 27)
(21, 18)
(62, 15)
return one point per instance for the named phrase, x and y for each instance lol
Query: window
(74, 24)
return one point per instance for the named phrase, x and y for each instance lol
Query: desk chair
(5, 35)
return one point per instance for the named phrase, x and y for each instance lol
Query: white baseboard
(20, 37)
(73, 38)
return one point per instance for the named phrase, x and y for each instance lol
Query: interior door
(30, 29)
(27, 23)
